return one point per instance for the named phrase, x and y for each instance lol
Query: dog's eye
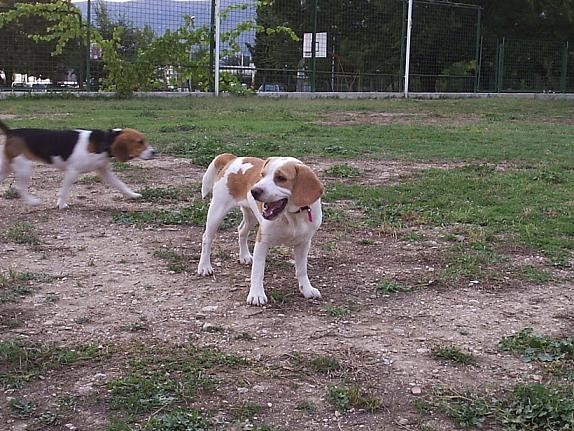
(280, 179)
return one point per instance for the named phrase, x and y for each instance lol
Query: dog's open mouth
(273, 209)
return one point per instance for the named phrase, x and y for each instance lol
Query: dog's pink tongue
(271, 207)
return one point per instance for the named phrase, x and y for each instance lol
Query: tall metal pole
(211, 70)
(408, 48)
(478, 54)
(217, 40)
(313, 48)
(88, 43)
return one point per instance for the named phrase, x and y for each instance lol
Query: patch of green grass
(325, 364)
(166, 378)
(16, 285)
(343, 171)
(452, 354)
(467, 409)
(11, 193)
(344, 399)
(340, 310)
(387, 287)
(538, 407)
(89, 179)
(180, 420)
(333, 215)
(194, 214)
(533, 347)
(166, 194)
(21, 407)
(476, 262)
(512, 206)
(413, 237)
(50, 418)
(176, 262)
(136, 326)
(307, 406)
(247, 410)
(23, 361)
(279, 296)
(23, 233)
(535, 275)
(501, 130)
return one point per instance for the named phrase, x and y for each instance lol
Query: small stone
(416, 390)
(403, 421)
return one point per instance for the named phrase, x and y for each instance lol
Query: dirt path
(109, 286)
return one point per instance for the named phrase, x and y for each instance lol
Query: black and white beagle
(73, 151)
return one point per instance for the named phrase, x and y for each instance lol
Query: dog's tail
(213, 171)
(5, 129)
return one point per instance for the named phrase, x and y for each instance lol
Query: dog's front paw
(133, 195)
(257, 298)
(204, 270)
(62, 205)
(310, 292)
(246, 260)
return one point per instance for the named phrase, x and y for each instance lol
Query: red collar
(309, 213)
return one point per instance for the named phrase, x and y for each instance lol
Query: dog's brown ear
(307, 187)
(120, 149)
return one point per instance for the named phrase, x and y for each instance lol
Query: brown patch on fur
(92, 146)
(129, 144)
(16, 146)
(306, 188)
(240, 183)
(222, 161)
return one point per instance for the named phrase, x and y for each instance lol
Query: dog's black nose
(256, 192)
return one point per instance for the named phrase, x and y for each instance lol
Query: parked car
(271, 87)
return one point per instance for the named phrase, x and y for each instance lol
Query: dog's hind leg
(22, 171)
(70, 177)
(218, 209)
(249, 220)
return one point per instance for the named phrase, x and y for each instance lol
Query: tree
(28, 41)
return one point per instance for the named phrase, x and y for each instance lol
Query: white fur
(292, 227)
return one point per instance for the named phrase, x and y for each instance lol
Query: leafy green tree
(32, 40)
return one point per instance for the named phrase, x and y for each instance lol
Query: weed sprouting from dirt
(452, 354)
(532, 347)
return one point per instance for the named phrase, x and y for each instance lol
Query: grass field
(445, 264)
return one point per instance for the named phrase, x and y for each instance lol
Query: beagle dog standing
(73, 151)
(281, 194)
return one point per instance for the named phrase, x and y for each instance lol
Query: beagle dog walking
(281, 194)
(73, 151)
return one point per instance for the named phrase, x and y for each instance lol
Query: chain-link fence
(272, 45)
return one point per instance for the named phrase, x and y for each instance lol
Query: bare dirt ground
(108, 282)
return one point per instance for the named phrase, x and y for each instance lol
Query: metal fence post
(313, 48)
(403, 47)
(499, 72)
(408, 48)
(88, 43)
(212, 48)
(478, 57)
(564, 71)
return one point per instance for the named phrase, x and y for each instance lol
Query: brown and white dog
(73, 151)
(281, 194)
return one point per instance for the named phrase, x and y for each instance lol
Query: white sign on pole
(320, 45)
